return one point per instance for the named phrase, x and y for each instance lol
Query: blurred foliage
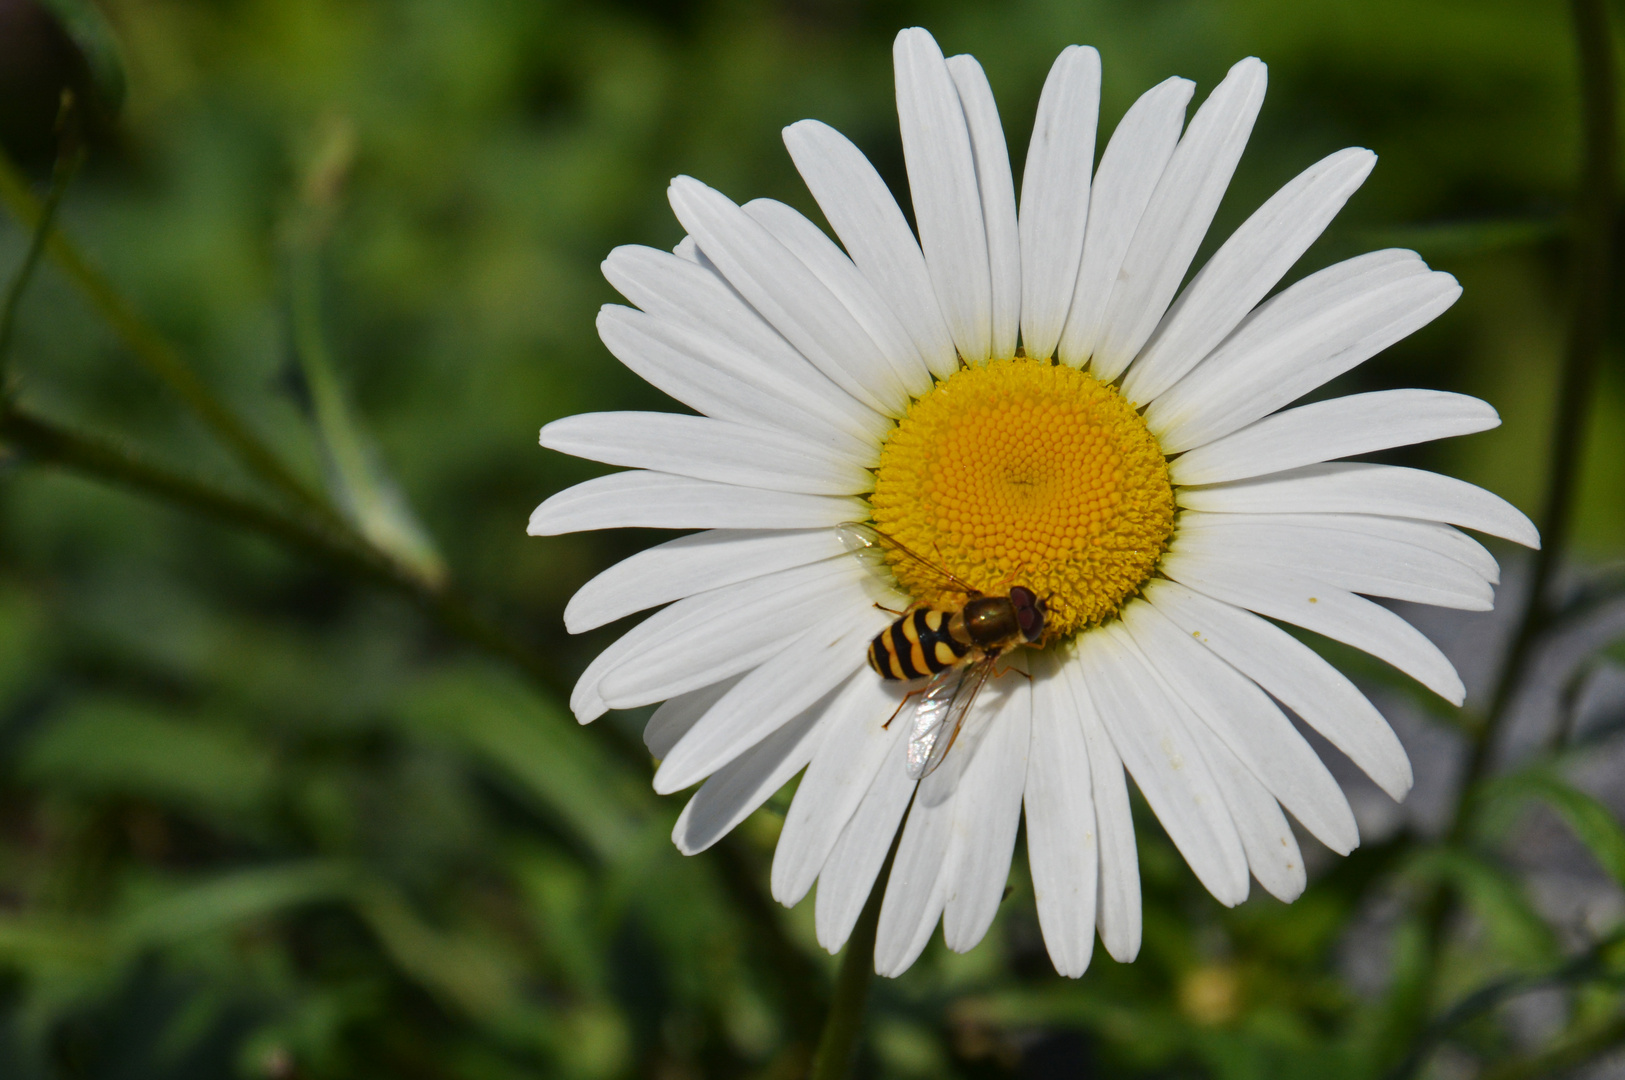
(260, 819)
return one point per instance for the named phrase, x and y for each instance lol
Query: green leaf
(1458, 238)
(103, 746)
(1591, 822)
(536, 743)
(367, 494)
(1496, 898)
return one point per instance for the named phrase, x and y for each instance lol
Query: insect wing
(865, 540)
(941, 713)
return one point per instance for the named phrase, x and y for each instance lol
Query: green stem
(1591, 254)
(61, 177)
(839, 1043)
(160, 357)
(1591, 269)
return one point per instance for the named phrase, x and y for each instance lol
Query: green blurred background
(259, 818)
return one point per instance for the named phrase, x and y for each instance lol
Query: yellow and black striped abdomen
(916, 645)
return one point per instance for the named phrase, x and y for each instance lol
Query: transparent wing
(941, 712)
(861, 538)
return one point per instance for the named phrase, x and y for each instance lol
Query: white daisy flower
(1130, 463)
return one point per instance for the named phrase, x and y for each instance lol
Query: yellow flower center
(1024, 472)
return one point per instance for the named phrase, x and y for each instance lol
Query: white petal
(1055, 197)
(1311, 333)
(1117, 909)
(708, 449)
(651, 500)
(678, 715)
(998, 193)
(735, 791)
(678, 665)
(1327, 430)
(691, 622)
(987, 810)
(1357, 488)
(899, 364)
(916, 888)
(1245, 269)
(786, 293)
(688, 294)
(840, 775)
(1295, 675)
(1429, 535)
(1361, 563)
(1272, 850)
(1338, 614)
(947, 201)
(1164, 761)
(712, 377)
(849, 874)
(1063, 850)
(810, 666)
(692, 564)
(1179, 213)
(1248, 722)
(872, 228)
(1132, 164)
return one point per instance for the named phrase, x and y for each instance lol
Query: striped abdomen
(918, 644)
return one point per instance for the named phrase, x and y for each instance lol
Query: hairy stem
(156, 353)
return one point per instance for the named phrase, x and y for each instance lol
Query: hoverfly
(957, 647)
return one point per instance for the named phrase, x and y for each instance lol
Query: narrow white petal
(1245, 269)
(652, 500)
(897, 363)
(1361, 563)
(713, 377)
(1357, 488)
(688, 294)
(810, 666)
(871, 226)
(1063, 849)
(753, 603)
(677, 665)
(1272, 850)
(917, 886)
(1311, 333)
(1132, 164)
(987, 810)
(840, 775)
(998, 193)
(708, 449)
(692, 564)
(1429, 535)
(947, 201)
(1323, 608)
(736, 790)
(854, 863)
(1164, 761)
(1179, 213)
(1327, 430)
(678, 715)
(1117, 910)
(1248, 722)
(1055, 197)
(1295, 675)
(785, 292)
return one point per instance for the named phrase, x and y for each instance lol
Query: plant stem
(1591, 260)
(61, 177)
(155, 352)
(839, 1042)
(1591, 271)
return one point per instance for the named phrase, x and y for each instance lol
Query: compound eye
(1029, 612)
